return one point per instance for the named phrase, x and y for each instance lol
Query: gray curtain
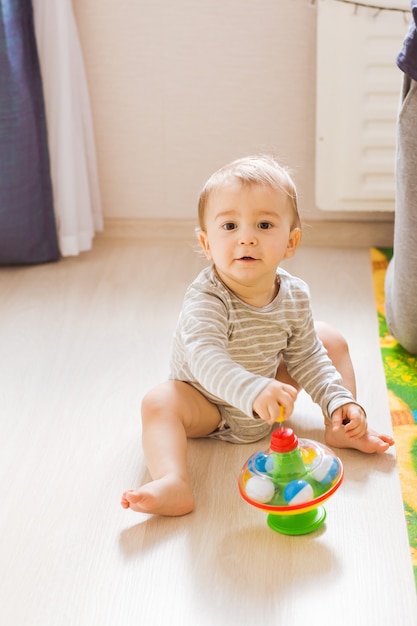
(27, 224)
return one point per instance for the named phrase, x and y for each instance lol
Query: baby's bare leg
(171, 412)
(338, 351)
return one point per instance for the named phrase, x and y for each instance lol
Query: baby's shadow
(255, 557)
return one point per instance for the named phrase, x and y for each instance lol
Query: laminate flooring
(81, 342)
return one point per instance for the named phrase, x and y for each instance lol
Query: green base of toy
(298, 524)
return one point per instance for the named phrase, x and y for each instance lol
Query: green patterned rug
(401, 377)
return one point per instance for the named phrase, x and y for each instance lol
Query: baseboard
(148, 229)
(324, 234)
(338, 234)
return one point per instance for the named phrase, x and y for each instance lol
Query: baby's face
(248, 233)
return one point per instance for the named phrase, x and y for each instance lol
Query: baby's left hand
(352, 417)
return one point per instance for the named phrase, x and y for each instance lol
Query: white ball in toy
(260, 489)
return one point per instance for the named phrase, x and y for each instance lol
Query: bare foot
(369, 443)
(169, 495)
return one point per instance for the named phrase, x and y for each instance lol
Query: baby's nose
(247, 236)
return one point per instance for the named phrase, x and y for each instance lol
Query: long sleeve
(309, 364)
(202, 353)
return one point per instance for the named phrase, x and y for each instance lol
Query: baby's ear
(203, 239)
(293, 241)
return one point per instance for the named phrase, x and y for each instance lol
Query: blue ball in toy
(298, 492)
(258, 463)
(326, 471)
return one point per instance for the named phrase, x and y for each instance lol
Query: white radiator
(358, 92)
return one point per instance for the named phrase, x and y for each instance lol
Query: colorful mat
(400, 369)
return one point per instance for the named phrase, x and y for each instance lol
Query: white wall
(179, 87)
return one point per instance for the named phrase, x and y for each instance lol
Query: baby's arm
(202, 354)
(274, 396)
(352, 417)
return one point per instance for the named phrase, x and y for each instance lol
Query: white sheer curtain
(77, 201)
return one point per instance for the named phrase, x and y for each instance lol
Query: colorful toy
(291, 481)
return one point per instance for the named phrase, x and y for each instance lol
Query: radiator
(357, 98)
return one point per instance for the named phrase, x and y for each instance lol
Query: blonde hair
(260, 169)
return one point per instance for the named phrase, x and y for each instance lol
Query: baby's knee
(151, 403)
(165, 398)
(332, 339)
(156, 401)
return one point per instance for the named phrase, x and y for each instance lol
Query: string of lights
(375, 7)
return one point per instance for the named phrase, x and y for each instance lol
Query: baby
(246, 342)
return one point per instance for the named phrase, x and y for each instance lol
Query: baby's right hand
(268, 403)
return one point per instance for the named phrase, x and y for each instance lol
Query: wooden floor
(81, 341)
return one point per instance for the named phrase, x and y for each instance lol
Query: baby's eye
(229, 226)
(264, 225)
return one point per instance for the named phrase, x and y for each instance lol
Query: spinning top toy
(291, 481)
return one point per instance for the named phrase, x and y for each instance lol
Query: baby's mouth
(246, 258)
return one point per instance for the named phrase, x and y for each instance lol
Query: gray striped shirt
(230, 350)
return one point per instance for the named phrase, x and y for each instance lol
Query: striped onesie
(230, 351)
